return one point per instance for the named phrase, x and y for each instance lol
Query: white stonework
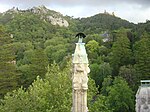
(143, 98)
(80, 79)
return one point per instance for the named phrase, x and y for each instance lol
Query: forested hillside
(35, 60)
(103, 22)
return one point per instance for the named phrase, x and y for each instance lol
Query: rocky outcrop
(39, 10)
(57, 21)
(55, 18)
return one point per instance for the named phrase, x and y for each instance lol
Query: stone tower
(80, 78)
(143, 97)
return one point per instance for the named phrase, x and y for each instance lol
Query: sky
(135, 11)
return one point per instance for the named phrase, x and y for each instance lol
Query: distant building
(106, 36)
(105, 12)
(113, 13)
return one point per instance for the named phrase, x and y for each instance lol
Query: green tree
(20, 50)
(120, 96)
(99, 72)
(121, 52)
(100, 105)
(130, 75)
(8, 73)
(16, 101)
(34, 63)
(92, 49)
(105, 85)
(95, 37)
(142, 58)
(56, 49)
(29, 27)
(51, 94)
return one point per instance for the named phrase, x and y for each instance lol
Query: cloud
(92, 3)
(30, 3)
(25, 3)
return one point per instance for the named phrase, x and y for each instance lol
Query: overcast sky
(131, 10)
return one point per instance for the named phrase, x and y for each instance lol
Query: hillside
(40, 23)
(97, 23)
(103, 22)
(36, 53)
(53, 17)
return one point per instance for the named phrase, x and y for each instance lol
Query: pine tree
(142, 58)
(8, 72)
(35, 63)
(121, 52)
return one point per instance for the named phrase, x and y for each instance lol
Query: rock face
(39, 10)
(55, 18)
(57, 21)
(143, 98)
(12, 10)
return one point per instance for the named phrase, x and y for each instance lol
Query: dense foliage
(118, 52)
(8, 72)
